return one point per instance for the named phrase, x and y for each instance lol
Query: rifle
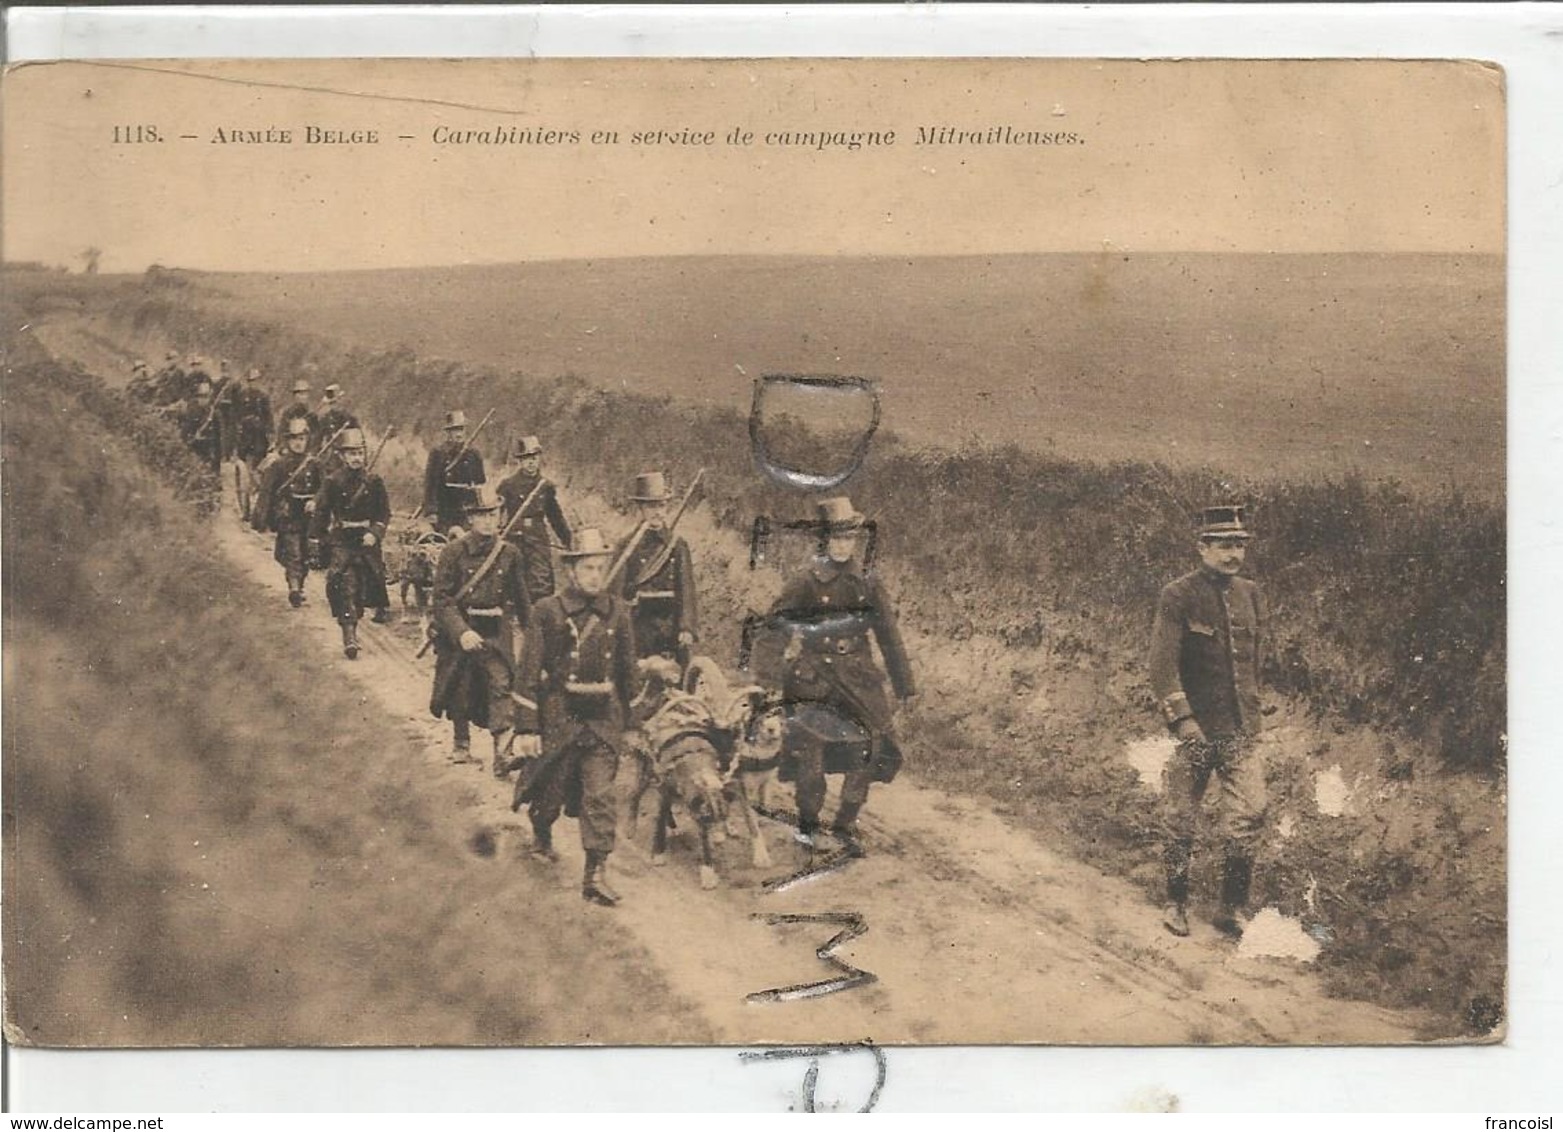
(466, 444)
(369, 467)
(312, 457)
(212, 412)
(493, 556)
(640, 531)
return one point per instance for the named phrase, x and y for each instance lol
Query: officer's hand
(686, 638)
(631, 738)
(309, 507)
(369, 539)
(527, 746)
(455, 532)
(794, 648)
(470, 641)
(1189, 731)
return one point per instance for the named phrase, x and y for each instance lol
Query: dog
(415, 572)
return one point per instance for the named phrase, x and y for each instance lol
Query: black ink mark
(811, 1075)
(760, 538)
(852, 926)
(797, 477)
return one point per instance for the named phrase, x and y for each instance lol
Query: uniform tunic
(834, 611)
(659, 585)
(578, 666)
(254, 424)
(476, 686)
(202, 431)
(285, 510)
(531, 533)
(351, 504)
(1204, 664)
(448, 480)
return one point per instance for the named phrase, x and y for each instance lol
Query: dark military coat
(448, 482)
(1205, 652)
(284, 509)
(201, 426)
(837, 611)
(254, 423)
(659, 585)
(351, 503)
(578, 667)
(494, 609)
(531, 531)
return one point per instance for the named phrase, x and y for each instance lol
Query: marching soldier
(299, 408)
(284, 504)
(333, 417)
(455, 468)
(170, 384)
(480, 603)
(351, 516)
(659, 578)
(140, 384)
(830, 612)
(578, 667)
(531, 532)
(198, 425)
(1204, 673)
(253, 414)
(225, 395)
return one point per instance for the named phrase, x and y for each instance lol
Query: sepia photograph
(674, 552)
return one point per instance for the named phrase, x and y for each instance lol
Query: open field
(1284, 365)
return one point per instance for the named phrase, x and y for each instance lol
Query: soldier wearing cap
(284, 504)
(543, 514)
(333, 417)
(578, 667)
(351, 516)
(298, 409)
(140, 384)
(659, 577)
(453, 471)
(199, 427)
(480, 604)
(829, 612)
(169, 385)
(253, 416)
(1204, 673)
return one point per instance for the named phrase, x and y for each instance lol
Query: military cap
(140, 365)
(301, 386)
(172, 355)
(455, 419)
(589, 543)
(351, 439)
(255, 373)
(484, 497)
(651, 487)
(333, 391)
(838, 514)
(1223, 522)
(297, 426)
(527, 446)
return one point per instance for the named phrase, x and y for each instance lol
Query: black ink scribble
(811, 1075)
(852, 926)
(797, 477)
(760, 538)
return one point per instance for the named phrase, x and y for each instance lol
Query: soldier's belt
(838, 646)
(356, 524)
(653, 595)
(486, 612)
(577, 688)
(302, 498)
(462, 486)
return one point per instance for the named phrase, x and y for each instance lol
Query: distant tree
(89, 258)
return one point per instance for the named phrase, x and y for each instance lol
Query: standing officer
(578, 666)
(299, 408)
(829, 613)
(530, 533)
(284, 504)
(454, 470)
(333, 417)
(480, 603)
(659, 578)
(351, 515)
(199, 426)
(1204, 672)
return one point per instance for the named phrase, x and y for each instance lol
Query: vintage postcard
(733, 552)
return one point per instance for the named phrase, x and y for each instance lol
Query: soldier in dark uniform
(225, 395)
(530, 533)
(829, 613)
(252, 415)
(285, 503)
(659, 578)
(140, 384)
(333, 417)
(578, 667)
(351, 516)
(479, 607)
(169, 386)
(299, 407)
(199, 427)
(1204, 672)
(453, 471)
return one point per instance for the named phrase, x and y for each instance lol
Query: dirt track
(976, 932)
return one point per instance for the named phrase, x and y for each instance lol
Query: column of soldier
(556, 671)
(565, 704)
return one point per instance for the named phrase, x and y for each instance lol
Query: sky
(1168, 156)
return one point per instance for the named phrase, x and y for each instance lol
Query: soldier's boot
(295, 590)
(501, 767)
(1236, 878)
(350, 638)
(543, 842)
(1176, 918)
(381, 616)
(845, 829)
(461, 747)
(807, 831)
(594, 884)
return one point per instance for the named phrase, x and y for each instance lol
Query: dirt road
(975, 932)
